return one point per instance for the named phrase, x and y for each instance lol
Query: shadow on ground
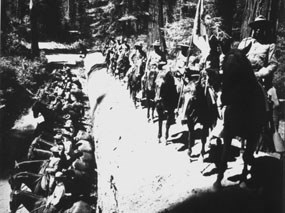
(262, 194)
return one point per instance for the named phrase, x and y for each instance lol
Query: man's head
(184, 45)
(156, 45)
(260, 27)
(138, 45)
(207, 19)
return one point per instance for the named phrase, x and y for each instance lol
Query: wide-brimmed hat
(138, 44)
(259, 21)
(184, 44)
(156, 43)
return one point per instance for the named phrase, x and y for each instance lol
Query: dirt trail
(138, 174)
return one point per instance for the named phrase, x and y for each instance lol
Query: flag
(199, 33)
(31, 4)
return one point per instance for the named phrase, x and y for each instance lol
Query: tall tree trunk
(34, 29)
(161, 25)
(267, 8)
(153, 27)
(225, 10)
(4, 25)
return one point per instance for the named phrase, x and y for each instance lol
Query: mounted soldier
(123, 63)
(155, 61)
(263, 61)
(137, 62)
(54, 201)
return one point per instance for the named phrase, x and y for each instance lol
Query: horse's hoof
(243, 185)
(217, 186)
(189, 153)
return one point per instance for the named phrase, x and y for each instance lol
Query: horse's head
(238, 81)
(236, 66)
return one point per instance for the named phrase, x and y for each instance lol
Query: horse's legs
(148, 108)
(160, 121)
(204, 140)
(248, 157)
(170, 120)
(191, 137)
(223, 163)
(153, 109)
(134, 97)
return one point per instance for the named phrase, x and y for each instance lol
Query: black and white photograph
(142, 106)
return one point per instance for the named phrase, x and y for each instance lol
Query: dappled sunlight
(27, 121)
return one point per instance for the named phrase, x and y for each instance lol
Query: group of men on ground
(69, 173)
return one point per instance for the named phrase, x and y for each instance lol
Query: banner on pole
(199, 32)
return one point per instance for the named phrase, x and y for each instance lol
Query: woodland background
(91, 23)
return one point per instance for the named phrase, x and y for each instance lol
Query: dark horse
(166, 100)
(149, 90)
(245, 109)
(50, 117)
(201, 108)
(37, 204)
(134, 80)
(31, 180)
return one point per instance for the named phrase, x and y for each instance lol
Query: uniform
(262, 59)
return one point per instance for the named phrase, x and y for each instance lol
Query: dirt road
(136, 173)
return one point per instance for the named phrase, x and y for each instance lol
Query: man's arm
(271, 65)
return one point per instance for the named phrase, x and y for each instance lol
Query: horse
(31, 180)
(149, 90)
(37, 204)
(134, 80)
(123, 64)
(201, 108)
(245, 108)
(166, 98)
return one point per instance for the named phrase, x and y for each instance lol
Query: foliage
(15, 71)
(19, 76)
(15, 36)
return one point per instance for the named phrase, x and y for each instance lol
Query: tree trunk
(267, 8)
(225, 10)
(153, 27)
(161, 25)
(4, 25)
(34, 29)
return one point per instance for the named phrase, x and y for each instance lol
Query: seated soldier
(54, 166)
(54, 201)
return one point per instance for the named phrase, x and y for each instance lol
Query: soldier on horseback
(123, 63)
(155, 61)
(53, 203)
(137, 62)
(262, 58)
